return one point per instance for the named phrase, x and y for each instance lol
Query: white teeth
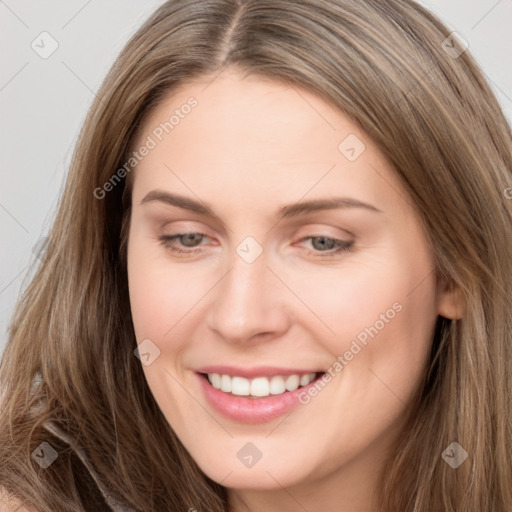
(215, 380)
(225, 383)
(260, 386)
(277, 385)
(292, 382)
(240, 386)
(305, 380)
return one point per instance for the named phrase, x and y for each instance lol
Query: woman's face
(261, 285)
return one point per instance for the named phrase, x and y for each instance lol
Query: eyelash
(342, 245)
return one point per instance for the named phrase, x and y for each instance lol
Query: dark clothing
(92, 491)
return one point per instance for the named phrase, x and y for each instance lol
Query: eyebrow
(288, 211)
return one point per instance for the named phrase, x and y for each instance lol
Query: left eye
(322, 245)
(326, 246)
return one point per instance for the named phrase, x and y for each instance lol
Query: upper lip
(255, 371)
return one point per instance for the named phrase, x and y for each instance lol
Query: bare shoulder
(10, 504)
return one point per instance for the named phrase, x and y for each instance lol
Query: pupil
(190, 237)
(325, 243)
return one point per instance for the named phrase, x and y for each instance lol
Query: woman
(278, 278)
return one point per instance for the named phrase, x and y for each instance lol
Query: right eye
(187, 240)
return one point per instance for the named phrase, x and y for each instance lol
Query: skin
(248, 148)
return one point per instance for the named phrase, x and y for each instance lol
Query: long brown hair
(425, 103)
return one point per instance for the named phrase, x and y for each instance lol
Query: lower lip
(252, 410)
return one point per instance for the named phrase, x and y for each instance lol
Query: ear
(451, 303)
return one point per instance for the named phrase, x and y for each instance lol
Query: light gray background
(43, 102)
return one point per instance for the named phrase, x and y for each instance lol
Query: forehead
(249, 113)
(241, 137)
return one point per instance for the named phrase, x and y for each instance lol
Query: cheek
(364, 296)
(378, 315)
(160, 294)
(395, 315)
(148, 298)
(159, 303)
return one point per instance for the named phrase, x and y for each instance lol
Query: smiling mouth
(260, 387)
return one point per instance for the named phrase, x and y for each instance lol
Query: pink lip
(257, 371)
(251, 410)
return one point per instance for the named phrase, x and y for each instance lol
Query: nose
(248, 303)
